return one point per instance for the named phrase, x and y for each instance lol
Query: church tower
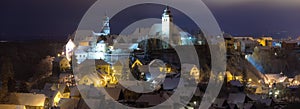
(167, 24)
(105, 27)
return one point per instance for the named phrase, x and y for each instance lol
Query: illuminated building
(64, 64)
(62, 92)
(289, 44)
(246, 44)
(29, 100)
(92, 79)
(265, 41)
(89, 46)
(167, 25)
(195, 72)
(105, 27)
(69, 49)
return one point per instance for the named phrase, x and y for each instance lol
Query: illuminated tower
(70, 49)
(105, 27)
(167, 21)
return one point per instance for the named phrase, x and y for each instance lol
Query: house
(235, 86)
(69, 49)
(103, 66)
(236, 98)
(289, 44)
(265, 41)
(195, 73)
(233, 106)
(62, 91)
(261, 90)
(64, 64)
(118, 68)
(92, 79)
(67, 78)
(255, 97)
(81, 54)
(68, 103)
(147, 100)
(235, 83)
(74, 92)
(130, 96)
(276, 78)
(114, 94)
(89, 92)
(267, 102)
(248, 106)
(29, 100)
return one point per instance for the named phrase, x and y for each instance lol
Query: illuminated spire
(106, 27)
(167, 29)
(167, 12)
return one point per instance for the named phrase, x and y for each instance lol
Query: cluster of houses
(51, 95)
(247, 44)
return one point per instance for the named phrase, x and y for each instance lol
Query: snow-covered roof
(74, 92)
(63, 88)
(11, 106)
(68, 103)
(248, 106)
(155, 30)
(141, 32)
(114, 93)
(170, 83)
(291, 41)
(101, 62)
(28, 99)
(255, 97)
(236, 98)
(276, 77)
(219, 102)
(267, 102)
(273, 76)
(152, 100)
(236, 83)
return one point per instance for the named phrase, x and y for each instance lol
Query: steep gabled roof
(236, 98)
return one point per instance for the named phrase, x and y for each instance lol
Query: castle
(114, 48)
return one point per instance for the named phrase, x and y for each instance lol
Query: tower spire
(167, 11)
(167, 30)
(105, 26)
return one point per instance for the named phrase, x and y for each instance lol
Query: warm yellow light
(161, 69)
(113, 80)
(249, 79)
(236, 78)
(137, 62)
(168, 70)
(56, 99)
(268, 81)
(103, 83)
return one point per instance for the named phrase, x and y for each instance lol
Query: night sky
(55, 19)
